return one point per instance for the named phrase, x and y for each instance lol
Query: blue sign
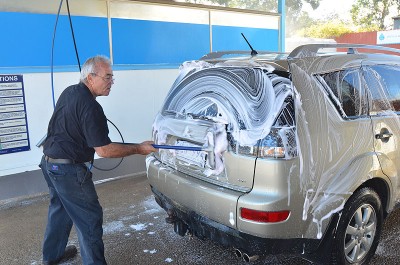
(14, 135)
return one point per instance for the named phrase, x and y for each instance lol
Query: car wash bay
(135, 232)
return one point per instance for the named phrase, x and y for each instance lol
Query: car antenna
(253, 52)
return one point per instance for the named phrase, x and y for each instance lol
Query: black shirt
(78, 124)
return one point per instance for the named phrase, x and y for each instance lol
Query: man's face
(101, 81)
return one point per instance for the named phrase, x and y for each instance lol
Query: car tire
(356, 240)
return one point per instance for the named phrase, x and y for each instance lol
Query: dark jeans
(73, 200)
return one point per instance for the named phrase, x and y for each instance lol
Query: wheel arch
(381, 187)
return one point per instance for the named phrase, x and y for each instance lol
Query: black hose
(122, 159)
(73, 37)
(79, 65)
(52, 55)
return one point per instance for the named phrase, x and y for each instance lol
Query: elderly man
(78, 129)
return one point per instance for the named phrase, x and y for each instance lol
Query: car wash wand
(209, 150)
(178, 147)
(175, 147)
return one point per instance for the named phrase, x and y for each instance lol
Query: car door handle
(382, 136)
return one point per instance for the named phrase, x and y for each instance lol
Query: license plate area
(195, 158)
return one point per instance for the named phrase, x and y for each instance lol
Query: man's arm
(115, 150)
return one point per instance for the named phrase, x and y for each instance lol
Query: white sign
(388, 37)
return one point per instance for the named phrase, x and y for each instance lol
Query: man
(78, 129)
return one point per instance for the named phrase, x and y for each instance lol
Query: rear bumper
(315, 250)
(206, 199)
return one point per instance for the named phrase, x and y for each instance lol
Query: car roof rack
(233, 53)
(313, 49)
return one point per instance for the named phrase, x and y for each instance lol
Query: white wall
(134, 100)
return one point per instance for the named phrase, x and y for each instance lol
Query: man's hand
(146, 148)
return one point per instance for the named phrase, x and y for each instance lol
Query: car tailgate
(212, 164)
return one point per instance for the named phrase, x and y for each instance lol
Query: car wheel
(359, 228)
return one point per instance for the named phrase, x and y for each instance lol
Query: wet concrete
(135, 232)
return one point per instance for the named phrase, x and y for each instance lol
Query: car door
(382, 80)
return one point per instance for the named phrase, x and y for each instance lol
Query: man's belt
(60, 160)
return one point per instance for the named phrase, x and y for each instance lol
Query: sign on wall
(13, 120)
(388, 37)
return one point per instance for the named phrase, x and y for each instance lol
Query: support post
(282, 25)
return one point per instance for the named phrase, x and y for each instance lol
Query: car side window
(384, 86)
(345, 89)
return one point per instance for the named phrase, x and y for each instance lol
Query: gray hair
(91, 66)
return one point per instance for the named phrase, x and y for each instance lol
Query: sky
(327, 7)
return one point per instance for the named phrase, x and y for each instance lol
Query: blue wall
(153, 42)
(27, 41)
(230, 38)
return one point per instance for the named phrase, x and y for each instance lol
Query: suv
(271, 153)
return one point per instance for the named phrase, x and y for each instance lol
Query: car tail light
(272, 145)
(264, 217)
(279, 143)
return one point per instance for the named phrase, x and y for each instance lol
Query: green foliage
(297, 24)
(326, 30)
(371, 13)
(368, 28)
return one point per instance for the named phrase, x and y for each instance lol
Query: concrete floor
(135, 232)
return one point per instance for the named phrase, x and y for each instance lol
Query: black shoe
(69, 253)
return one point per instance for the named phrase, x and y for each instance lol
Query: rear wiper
(184, 115)
(169, 112)
(198, 117)
(253, 52)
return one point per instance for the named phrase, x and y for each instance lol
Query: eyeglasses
(107, 79)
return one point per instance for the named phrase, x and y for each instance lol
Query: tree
(292, 6)
(264, 5)
(372, 13)
(327, 30)
(295, 17)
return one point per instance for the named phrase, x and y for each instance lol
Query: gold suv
(275, 153)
